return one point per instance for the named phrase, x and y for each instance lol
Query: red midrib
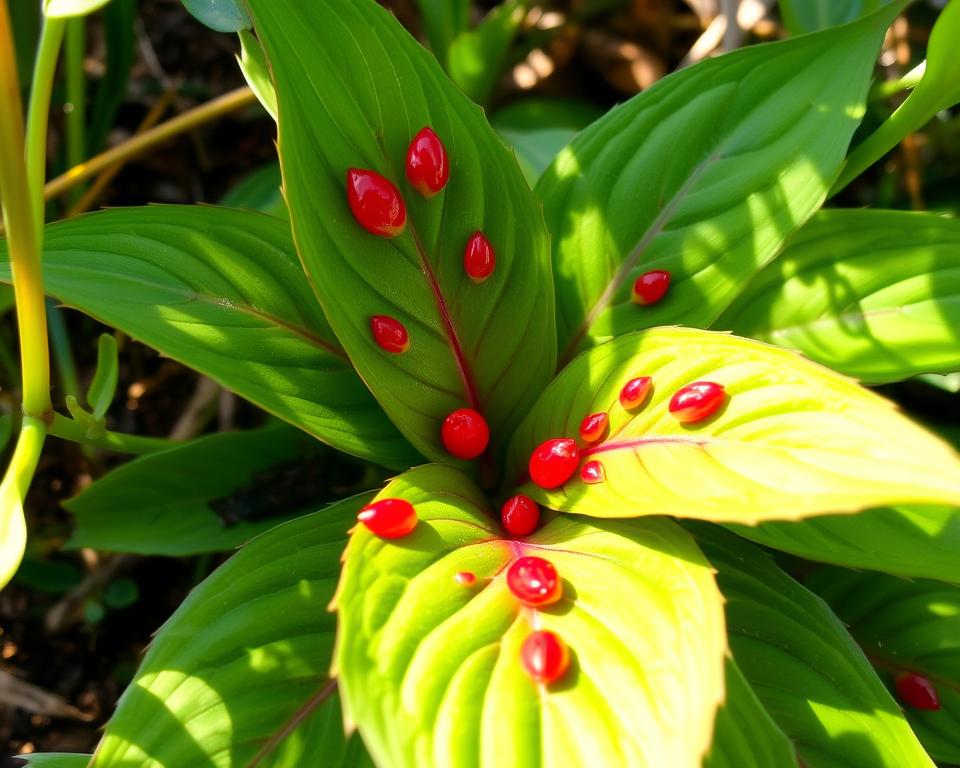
(641, 441)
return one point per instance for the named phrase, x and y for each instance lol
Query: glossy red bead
(593, 427)
(389, 518)
(697, 401)
(520, 515)
(389, 334)
(553, 462)
(479, 258)
(376, 203)
(634, 392)
(534, 581)
(917, 691)
(466, 578)
(544, 656)
(428, 166)
(592, 472)
(465, 434)
(650, 287)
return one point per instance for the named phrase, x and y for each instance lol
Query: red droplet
(593, 426)
(545, 656)
(520, 515)
(479, 258)
(697, 401)
(634, 392)
(427, 165)
(592, 472)
(650, 287)
(389, 334)
(554, 461)
(389, 518)
(465, 433)
(466, 578)
(917, 691)
(376, 203)
(534, 581)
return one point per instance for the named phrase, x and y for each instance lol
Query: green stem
(76, 48)
(68, 429)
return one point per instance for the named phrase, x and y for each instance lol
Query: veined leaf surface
(704, 175)
(239, 675)
(804, 666)
(486, 346)
(430, 670)
(222, 292)
(873, 294)
(906, 626)
(802, 16)
(792, 440)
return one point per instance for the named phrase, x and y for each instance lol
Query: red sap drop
(520, 515)
(650, 287)
(593, 427)
(592, 472)
(389, 518)
(466, 578)
(465, 434)
(375, 203)
(389, 334)
(917, 691)
(634, 392)
(534, 581)
(544, 656)
(479, 258)
(428, 167)
(553, 462)
(697, 401)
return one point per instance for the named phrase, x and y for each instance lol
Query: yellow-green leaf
(792, 440)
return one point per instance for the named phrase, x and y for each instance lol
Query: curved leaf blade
(906, 626)
(55, 760)
(704, 175)
(802, 16)
(804, 666)
(219, 15)
(792, 440)
(872, 294)
(430, 670)
(488, 346)
(243, 661)
(222, 292)
(908, 541)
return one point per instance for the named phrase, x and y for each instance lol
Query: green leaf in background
(804, 666)
(222, 292)
(538, 128)
(219, 15)
(430, 670)
(211, 494)
(872, 294)
(486, 346)
(104, 384)
(60, 9)
(477, 57)
(55, 760)
(802, 16)
(909, 541)
(119, 39)
(906, 626)
(253, 64)
(242, 666)
(792, 440)
(745, 736)
(704, 175)
(259, 191)
(443, 20)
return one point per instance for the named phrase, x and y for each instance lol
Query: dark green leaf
(211, 494)
(804, 666)
(121, 593)
(221, 291)
(443, 20)
(911, 627)
(243, 661)
(477, 57)
(259, 191)
(907, 541)
(802, 16)
(52, 576)
(219, 15)
(873, 294)
(486, 346)
(704, 175)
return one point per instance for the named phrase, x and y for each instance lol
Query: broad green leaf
(211, 494)
(802, 16)
(745, 736)
(804, 666)
(259, 191)
(443, 20)
(792, 440)
(60, 9)
(243, 661)
(704, 175)
(488, 346)
(538, 128)
(477, 57)
(222, 292)
(55, 760)
(253, 64)
(906, 626)
(909, 541)
(873, 294)
(104, 384)
(219, 15)
(430, 670)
